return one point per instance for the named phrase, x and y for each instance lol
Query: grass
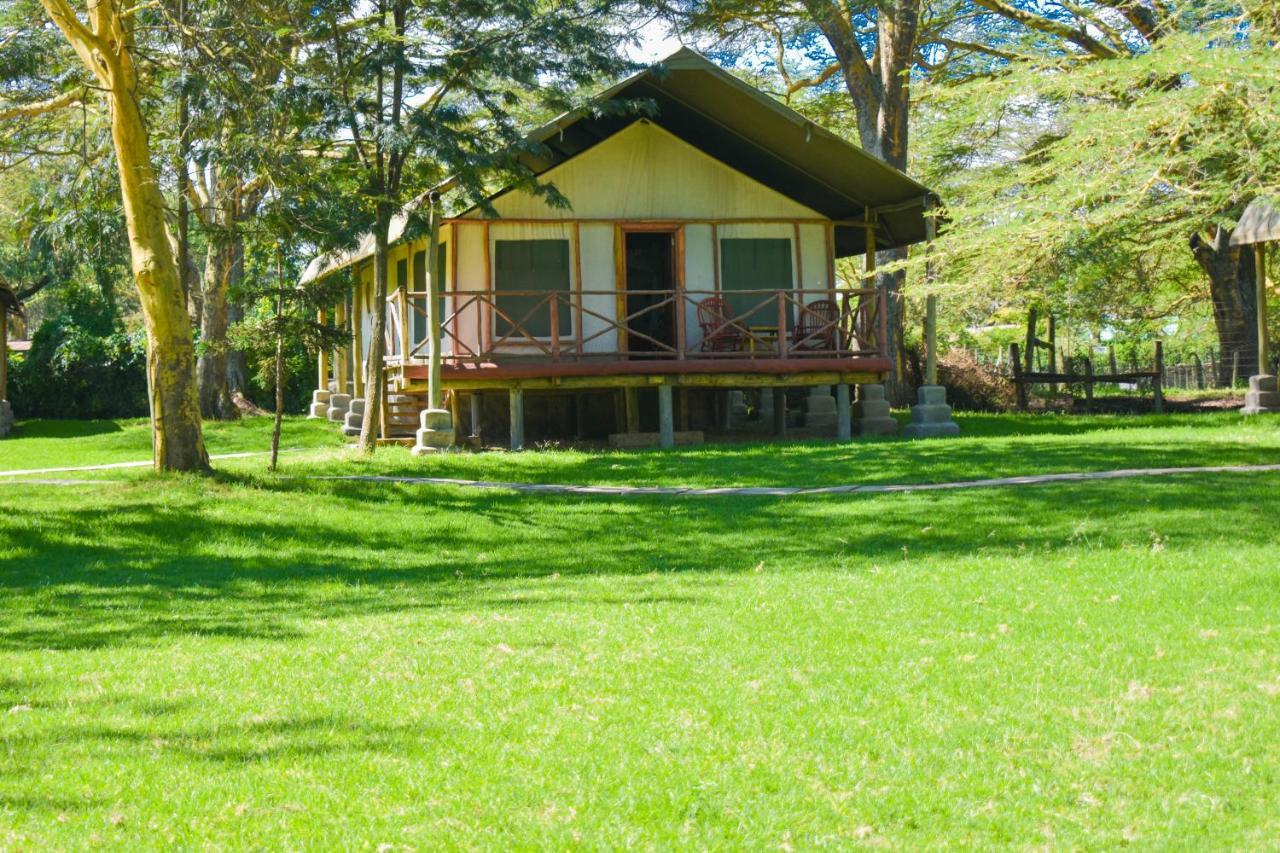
(991, 446)
(55, 443)
(253, 661)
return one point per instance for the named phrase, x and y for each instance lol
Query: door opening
(650, 279)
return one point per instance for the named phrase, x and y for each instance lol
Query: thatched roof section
(1259, 224)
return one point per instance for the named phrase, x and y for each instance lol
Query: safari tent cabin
(697, 258)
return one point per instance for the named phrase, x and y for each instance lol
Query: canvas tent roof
(1259, 224)
(710, 109)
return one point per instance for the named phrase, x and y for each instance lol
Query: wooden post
(666, 417)
(475, 416)
(323, 359)
(844, 423)
(779, 411)
(632, 409)
(1111, 359)
(1157, 383)
(434, 388)
(342, 356)
(1235, 369)
(1018, 383)
(516, 407)
(931, 340)
(1053, 351)
(782, 325)
(357, 342)
(1264, 342)
(406, 323)
(1030, 353)
(1088, 384)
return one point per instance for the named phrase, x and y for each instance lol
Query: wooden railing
(486, 326)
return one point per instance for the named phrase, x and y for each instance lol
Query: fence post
(1088, 384)
(1018, 383)
(1199, 371)
(1235, 369)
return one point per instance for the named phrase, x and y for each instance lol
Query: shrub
(81, 365)
(973, 385)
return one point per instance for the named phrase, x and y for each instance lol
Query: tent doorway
(649, 276)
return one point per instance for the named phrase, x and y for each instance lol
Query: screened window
(420, 286)
(755, 264)
(525, 270)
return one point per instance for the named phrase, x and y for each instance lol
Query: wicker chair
(719, 333)
(818, 328)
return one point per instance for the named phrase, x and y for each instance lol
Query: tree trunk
(177, 441)
(375, 383)
(881, 98)
(275, 430)
(1232, 289)
(211, 369)
(105, 49)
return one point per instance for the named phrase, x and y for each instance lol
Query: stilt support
(844, 420)
(516, 402)
(666, 419)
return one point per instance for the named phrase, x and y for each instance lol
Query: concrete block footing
(931, 416)
(1262, 397)
(320, 404)
(338, 406)
(871, 415)
(820, 408)
(435, 432)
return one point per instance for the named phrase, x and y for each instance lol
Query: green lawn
(255, 661)
(49, 444)
(991, 446)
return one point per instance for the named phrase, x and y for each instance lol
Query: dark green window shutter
(534, 267)
(755, 264)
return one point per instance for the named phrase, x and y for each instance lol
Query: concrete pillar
(931, 416)
(320, 404)
(475, 416)
(844, 422)
(339, 404)
(871, 415)
(435, 432)
(515, 401)
(354, 418)
(666, 419)
(1262, 396)
(820, 408)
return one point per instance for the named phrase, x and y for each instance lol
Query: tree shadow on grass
(137, 565)
(65, 428)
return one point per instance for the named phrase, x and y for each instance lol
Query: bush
(81, 364)
(975, 386)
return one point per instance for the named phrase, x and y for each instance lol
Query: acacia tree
(1123, 133)
(104, 38)
(421, 91)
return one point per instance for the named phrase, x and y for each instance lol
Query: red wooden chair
(719, 333)
(818, 328)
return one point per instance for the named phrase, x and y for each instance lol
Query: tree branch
(37, 108)
(1076, 36)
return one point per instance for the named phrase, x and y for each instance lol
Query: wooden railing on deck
(481, 326)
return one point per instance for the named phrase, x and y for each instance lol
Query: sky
(655, 43)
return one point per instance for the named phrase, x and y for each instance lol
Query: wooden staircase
(402, 414)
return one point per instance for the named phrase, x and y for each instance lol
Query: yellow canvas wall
(644, 172)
